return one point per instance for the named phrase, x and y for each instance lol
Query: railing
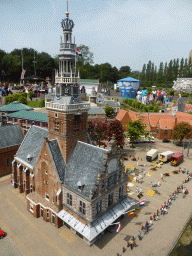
(60, 79)
(71, 107)
(67, 46)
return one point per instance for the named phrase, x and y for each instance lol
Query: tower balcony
(82, 107)
(70, 80)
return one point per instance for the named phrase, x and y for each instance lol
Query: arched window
(31, 188)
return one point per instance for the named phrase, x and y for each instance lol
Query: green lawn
(33, 104)
(184, 245)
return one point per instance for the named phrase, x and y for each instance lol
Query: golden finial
(67, 14)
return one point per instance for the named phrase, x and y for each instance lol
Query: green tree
(115, 128)
(124, 71)
(109, 111)
(181, 131)
(134, 130)
(87, 55)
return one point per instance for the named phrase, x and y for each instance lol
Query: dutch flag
(141, 203)
(119, 227)
(78, 52)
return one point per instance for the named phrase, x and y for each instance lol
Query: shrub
(176, 93)
(145, 108)
(31, 95)
(132, 109)
(42, 103)
(23, 100)
(151, 108)
(7, 100)
(156, 108)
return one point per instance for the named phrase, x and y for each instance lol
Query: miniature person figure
(158, 183)
(154, 216)
(139, 235)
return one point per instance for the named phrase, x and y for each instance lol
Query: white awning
(98, 226)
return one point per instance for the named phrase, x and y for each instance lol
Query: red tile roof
(121, 114)
(166, 124)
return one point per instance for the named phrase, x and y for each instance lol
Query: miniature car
(2, 234)
(166, 140)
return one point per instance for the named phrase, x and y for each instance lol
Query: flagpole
(75, 56)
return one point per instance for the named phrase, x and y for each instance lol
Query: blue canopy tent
(128, 87)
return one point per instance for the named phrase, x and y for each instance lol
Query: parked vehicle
(165, 156)
(2, 234)
(166, 140)
(151, 155)
(176, 159)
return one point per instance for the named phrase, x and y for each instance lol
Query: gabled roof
(121, 114)
(112, 103)
(32, 145)
(57, 158)
(10, 135)
(14, 106)
(155, 117)
(84, 162)
(30, 115)
(167, 124)
(185, 121)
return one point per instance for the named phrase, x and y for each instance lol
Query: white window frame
(53, 215)
(69, 199)
(46, 196)
(31, 207)
(98, 207)
(82, 207)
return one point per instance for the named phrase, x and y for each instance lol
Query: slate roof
(32, 145)
(96, 111)
(112, 103)
(83, 164)
(10, 135)
(57, 158)
(14, 106)
(30, 115)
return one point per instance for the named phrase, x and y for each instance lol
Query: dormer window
(29, 157)
(80, 185)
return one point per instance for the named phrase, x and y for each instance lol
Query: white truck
(151, 155)
(165, 156)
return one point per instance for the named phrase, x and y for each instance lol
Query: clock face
(112, 166)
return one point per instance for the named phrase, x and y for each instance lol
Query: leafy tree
(97, 131)
(124, 71)
(135, 129)
(109, 111)
(115, 128)
(87, 56)
(30, 95)
(181, 131)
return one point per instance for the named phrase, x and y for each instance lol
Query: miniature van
(165, 156)
(176, 159)
(151, 155)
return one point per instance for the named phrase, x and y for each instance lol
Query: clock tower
(67, 114)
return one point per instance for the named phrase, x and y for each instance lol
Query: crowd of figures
(145, 228)
(156, 95)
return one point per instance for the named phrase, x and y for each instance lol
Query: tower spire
(67, 5)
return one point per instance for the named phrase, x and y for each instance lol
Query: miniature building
(10, 140)
(159, 125)
(67, 180)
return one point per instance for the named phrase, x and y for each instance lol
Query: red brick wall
(66, 134)
(6, 153)
(46, 183)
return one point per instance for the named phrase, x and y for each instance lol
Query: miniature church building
(66, 180)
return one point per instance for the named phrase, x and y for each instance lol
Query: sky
(120, 32)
